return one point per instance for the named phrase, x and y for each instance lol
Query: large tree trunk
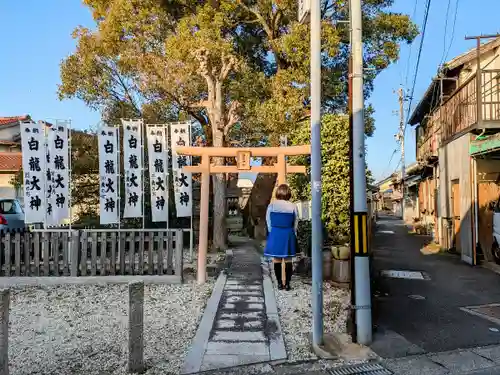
(219, 185)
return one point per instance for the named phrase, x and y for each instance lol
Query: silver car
(11, 216)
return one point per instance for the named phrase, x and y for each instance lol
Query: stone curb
(277, 349)
(9, 282)
(194, 358)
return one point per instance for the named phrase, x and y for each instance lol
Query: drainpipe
(476, 208)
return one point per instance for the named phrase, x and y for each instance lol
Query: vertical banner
(57, 183)
(133, 166)
(183, 183)
(158, 169)
(109, 175)
(34, 157)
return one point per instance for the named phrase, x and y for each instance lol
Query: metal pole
(361, 259)
(351, 203)
(317, 267)
(70, 201)
(402, 140)
(118, 177)
(143, 156)
(167, 146)
(191, 236)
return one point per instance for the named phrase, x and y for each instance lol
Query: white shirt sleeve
(268, 217)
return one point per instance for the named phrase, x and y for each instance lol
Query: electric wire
(417, 66)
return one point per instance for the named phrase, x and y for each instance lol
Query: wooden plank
(151, 246)
(2, 258)
(54, 244)
(17, 250)
(104, 247)
(179, 248)
(161, 245)
(36, 245)
(254, 151)
(93, 255)
(140, 268)
(7, 253)
(27, 253)
(74, 252)
(170, 252)
(84, 245)
(131, 253)
(112, 263)
(45, 252)
(65, 247)
(122, 253)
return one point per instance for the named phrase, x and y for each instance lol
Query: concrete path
(417, 316)
(240, 324)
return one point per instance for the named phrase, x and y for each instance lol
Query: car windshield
(9, 207)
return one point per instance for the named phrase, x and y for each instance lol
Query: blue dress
(281, 239)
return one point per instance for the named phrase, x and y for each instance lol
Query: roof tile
(11, 161)
(13, 119)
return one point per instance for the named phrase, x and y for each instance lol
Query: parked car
(11, 216)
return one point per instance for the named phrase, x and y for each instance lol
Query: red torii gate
(243, 156)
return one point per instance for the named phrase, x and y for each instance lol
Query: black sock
(277, 272)
(288, 272)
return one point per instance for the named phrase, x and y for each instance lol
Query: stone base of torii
(243, 156)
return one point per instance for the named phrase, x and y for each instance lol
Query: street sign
(304, 10)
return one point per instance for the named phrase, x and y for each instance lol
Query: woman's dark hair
(283, 192)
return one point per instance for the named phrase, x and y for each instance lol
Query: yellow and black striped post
(360, 234)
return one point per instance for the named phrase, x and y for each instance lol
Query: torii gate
(243, 156)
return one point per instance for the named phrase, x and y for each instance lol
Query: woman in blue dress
(282, 220)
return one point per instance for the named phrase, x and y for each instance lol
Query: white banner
(34, 156)
(158, 171)
(109, 174)
(133, 166)
(180, 135)
(57, 183)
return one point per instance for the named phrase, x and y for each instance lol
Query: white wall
(8, 133)
(455, 164)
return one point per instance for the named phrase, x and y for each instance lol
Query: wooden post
(203, 240)
(281, 166)
(4, 331)
(136, 326)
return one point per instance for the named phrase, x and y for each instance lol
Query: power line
(452, 30)
(390, 161)
(411, 45)
(445, 30)
(424, 26)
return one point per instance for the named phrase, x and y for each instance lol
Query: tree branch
(228, 63)
(261, 19)
(232, 116)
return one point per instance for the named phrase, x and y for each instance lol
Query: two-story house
(458, 143)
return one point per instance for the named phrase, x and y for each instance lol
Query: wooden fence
(91, 253)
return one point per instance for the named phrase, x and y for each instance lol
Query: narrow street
(419, 316)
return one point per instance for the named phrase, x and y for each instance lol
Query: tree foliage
(334, 173)
(239, 68)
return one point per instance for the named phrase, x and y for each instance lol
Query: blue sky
(473, 18)
(36, 43)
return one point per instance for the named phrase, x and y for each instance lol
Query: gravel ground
(296, 315)
(83, 329)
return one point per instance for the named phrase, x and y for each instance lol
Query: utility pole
(317, 256)
(359, 215)
(401, 138)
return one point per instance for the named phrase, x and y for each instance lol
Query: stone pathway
(244, 328)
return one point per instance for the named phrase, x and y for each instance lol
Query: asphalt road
(422, 316)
